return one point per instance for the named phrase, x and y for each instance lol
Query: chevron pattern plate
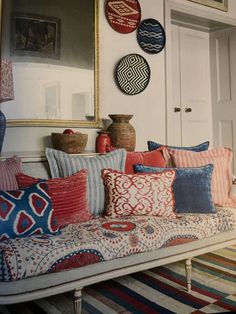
(151, 36)
(132, 74)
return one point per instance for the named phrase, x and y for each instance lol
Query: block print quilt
(104, 239)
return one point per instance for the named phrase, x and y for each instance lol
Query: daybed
(106, 247)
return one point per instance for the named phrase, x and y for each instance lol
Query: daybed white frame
(76, 279)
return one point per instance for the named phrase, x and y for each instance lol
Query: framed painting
(217, 4)
(35, 35)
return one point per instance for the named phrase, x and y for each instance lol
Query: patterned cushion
(8, 169)
(62, 164)
(154, 158)
(192, 188)
(105, 239)
(221, 158)
(69, 196)
(147, 194)
(198, 148)
(26, 212)
(166, 153)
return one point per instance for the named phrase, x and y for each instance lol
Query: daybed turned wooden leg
(188, 269)
(77, 301)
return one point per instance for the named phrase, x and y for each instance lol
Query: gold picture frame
(45, 45)
(217, 4)
(89, 97)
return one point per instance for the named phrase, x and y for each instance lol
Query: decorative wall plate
(132, 74)
(151, 36)
(123, 16)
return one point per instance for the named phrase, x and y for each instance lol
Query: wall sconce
(6, 92)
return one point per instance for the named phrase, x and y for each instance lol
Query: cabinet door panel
(223, 74)
(175, 115)
(190, 87)
(195, 87)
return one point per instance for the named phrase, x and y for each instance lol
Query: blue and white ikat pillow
(26, 212)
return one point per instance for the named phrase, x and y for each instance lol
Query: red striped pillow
(69, 196)
(221, 158)
(8, 170)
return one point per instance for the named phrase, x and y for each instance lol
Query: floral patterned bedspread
(104, 239)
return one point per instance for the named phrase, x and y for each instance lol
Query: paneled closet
(192, 115)
(200, 77)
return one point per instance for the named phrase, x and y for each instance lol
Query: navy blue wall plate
(151, 36)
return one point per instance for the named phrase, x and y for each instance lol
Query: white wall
(148, 107)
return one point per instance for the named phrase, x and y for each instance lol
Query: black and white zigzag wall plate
(132, 74)
(151, 36)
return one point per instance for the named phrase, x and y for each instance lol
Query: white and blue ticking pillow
(192, 188)
(26, 212)
(62, 164)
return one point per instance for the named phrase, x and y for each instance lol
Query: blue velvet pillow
(198, 148)
(26, 212)
(192, 188)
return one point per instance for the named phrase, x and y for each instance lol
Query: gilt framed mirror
(53, 49)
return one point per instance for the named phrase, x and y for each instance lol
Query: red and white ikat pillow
(139, 194)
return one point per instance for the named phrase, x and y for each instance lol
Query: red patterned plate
(123, 16)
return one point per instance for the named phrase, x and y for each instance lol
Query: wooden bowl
(69, 143)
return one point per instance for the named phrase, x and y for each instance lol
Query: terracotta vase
(103, 142)
(122, 133)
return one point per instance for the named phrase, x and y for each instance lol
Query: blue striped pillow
(62, 164)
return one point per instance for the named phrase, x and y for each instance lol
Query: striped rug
(159, 290)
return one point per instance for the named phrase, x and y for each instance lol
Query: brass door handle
(188, 109)
(177, 109)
